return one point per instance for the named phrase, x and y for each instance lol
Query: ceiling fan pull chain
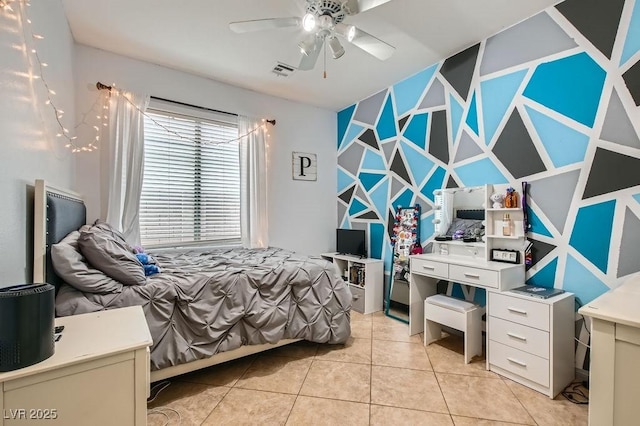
(324, 46)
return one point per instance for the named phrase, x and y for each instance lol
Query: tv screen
(351, 241)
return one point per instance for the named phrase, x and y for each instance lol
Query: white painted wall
(30, 149)
(302, 215)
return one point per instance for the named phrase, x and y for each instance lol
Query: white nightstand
(98, 375)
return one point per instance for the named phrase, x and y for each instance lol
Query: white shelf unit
(530, 340)
(494, 236)
(365, 277)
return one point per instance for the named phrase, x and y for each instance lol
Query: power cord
(157, 388)
(577, 393)
(163, 411)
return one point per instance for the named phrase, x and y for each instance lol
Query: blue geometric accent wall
(553, 101)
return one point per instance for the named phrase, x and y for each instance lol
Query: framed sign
(507, 256)
(304, 166)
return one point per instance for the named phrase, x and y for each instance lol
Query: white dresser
(98, 375)
(615, 351)
(530, 340)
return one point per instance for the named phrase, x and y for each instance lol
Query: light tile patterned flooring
(382, 376)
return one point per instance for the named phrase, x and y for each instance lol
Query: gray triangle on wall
(396, 187)
(350, 159)
(435, 95)
(467, 148)
(369, 137)
(347, 195)
(601, 178)
(451, 183)
(553, 196)
(368, 109)
(361, 194)
(388, 148)
(342, 210)
(617, 125)
(533, 38)
(402, 122)
(399, 168)
(370, 215)
(628, 261)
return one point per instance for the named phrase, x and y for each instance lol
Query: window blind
(191, 185)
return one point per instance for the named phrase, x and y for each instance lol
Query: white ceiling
(194, 36)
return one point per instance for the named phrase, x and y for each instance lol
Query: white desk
(615, 351)
(98, 375)
(428, 269)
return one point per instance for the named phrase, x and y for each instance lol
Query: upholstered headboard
(57, 212)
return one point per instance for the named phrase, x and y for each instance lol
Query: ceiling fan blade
(357, 6)
(372, 45)
(263, 24)
(308, 62)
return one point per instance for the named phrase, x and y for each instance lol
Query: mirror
(460, 221)
(406, 241)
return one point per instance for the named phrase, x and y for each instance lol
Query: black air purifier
(26, 325)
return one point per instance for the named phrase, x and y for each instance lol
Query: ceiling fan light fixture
(346, 31)
(308, 22)
(336, 47)
(307, 45)
(351, 33)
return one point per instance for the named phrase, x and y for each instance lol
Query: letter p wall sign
(305, 166)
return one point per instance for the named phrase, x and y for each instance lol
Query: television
(351, 241)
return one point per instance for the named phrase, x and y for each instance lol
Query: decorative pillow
(111, 255)
(73, 268)
(466, 228)
(113, 232)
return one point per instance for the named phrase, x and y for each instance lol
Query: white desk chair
(458, 314)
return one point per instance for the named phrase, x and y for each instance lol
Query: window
(191, 185)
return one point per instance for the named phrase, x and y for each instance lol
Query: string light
(258, 127)
(36, 73)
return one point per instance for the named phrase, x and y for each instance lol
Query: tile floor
(381, 376)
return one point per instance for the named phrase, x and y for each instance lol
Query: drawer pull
(468, 275)
(515, 336)
(515, 361)
(517, 311)
(431, 268)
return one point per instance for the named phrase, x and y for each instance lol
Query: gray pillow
(113, 232)
(73, 268)
(112, 256)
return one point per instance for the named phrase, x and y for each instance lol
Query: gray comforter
(203, 303)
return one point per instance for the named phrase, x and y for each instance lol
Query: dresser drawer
(357, 303)
(472, 275)
(518, 336)
(518, 362)
(429, 267)
(522, 311)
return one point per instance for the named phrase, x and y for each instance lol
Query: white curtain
(126, 162)
(253, 183)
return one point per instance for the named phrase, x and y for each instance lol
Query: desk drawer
(473, 276)
(522, 311)
(518, 362)
(519, 336)
(429, 267)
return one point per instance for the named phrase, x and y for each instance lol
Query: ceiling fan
(323, 23)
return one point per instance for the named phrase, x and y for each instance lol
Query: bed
(204, 307)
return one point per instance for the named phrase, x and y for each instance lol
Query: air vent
(283, 70)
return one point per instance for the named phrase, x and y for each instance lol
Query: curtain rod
(101, 86)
